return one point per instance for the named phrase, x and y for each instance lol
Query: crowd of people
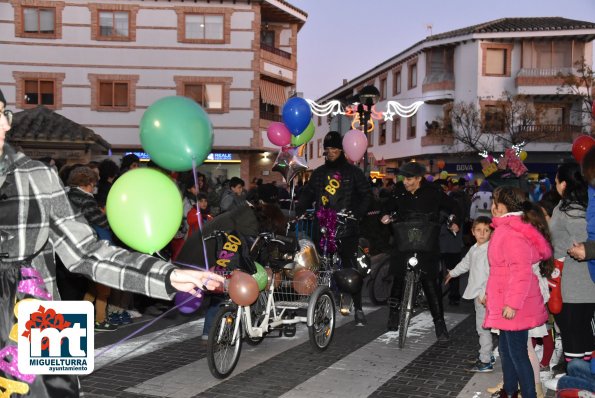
(510, 237)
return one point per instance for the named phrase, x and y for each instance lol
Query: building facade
(474, 65)
(102, 63)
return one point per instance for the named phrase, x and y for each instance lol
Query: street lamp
(368, 97)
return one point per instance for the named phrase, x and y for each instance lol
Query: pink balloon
(355, 144)
(278, 134)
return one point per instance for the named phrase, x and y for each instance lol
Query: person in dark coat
(338, 185)
(416, 199)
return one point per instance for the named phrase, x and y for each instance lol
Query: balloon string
(149, 324)
(198, 212)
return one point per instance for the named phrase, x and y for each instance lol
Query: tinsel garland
(328, 218)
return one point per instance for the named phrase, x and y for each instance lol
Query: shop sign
(220, 156)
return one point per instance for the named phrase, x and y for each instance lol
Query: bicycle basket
(416, 236)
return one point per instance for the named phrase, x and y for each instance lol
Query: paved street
(170, 361)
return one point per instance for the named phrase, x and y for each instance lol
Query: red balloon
(243, 288)
(441, 164)
(581, 146)
(305, 281)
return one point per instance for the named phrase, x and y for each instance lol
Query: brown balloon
(270, 277)
(243, 288)
(305, 281)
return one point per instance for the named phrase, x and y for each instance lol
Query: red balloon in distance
(304, 281)
(243, 288)
(441, 164)
(581, 146)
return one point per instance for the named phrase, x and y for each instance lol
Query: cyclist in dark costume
(336, 186)
(419, 200)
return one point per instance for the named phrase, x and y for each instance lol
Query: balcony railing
(437, 137)
(275, 50)
(546, 72)
(270, 116)
(550, 132)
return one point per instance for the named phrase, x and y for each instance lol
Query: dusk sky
(344, 38)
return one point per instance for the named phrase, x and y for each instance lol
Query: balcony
(438, 87)
(439, 136)
(535, 81)
(550, 133)
(276, 51)
(270, 116)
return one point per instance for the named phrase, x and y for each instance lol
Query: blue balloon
(296, 115)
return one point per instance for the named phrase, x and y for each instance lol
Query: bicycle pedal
(289, 330)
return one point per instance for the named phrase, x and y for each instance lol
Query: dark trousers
(516, 366)
(348, 253)
(574, 322)
(450, 261)
(429, 263)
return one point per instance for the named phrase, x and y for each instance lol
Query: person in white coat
(476, 263)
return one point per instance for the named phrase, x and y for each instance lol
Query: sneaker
(105, 327)
(481, 367)
(551, 384)
(476, 359)
(559, 368)
(360, 318)
(204, 337)
(114, 319)
(492, 359)
(125, 317)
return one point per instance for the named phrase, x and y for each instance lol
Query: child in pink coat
(514, 300)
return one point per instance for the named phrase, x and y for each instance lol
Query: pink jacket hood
(529, 231)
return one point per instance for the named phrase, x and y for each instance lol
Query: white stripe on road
(194, 378)
(149, 343)
(363, 371)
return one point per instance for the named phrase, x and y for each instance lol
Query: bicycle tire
(406, 307)
(217, 348)
(380, 284)
(321, 310)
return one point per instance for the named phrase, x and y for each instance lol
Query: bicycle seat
(280, 264)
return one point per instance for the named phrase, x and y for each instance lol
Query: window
(383, 88)
(552, 115)
(113, 93)
(493, 117)
(551, 54)
(212, 93)
(319, 120)
(204, 27)
(267, 37)
(411, 127)
(396, 129)
(38, 88)
(412, 75)
(311, 150)
(209, 96)
(39, 92)
(39, 20)
(397, 83)
(496, 60)
(319, 147)
(382, 134)
(114, 23)
(370, 138)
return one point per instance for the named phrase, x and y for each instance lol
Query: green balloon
(305, 135)
(144, 209)
(261, 276)
(174, 131)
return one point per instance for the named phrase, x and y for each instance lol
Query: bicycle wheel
(321, 318)
(257, 314)
(223, 350)
(406, 307)
(380, 283)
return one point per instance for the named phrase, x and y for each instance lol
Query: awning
(271, 93)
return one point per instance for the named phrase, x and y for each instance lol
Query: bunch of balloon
(144, 206)
(292, 136)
